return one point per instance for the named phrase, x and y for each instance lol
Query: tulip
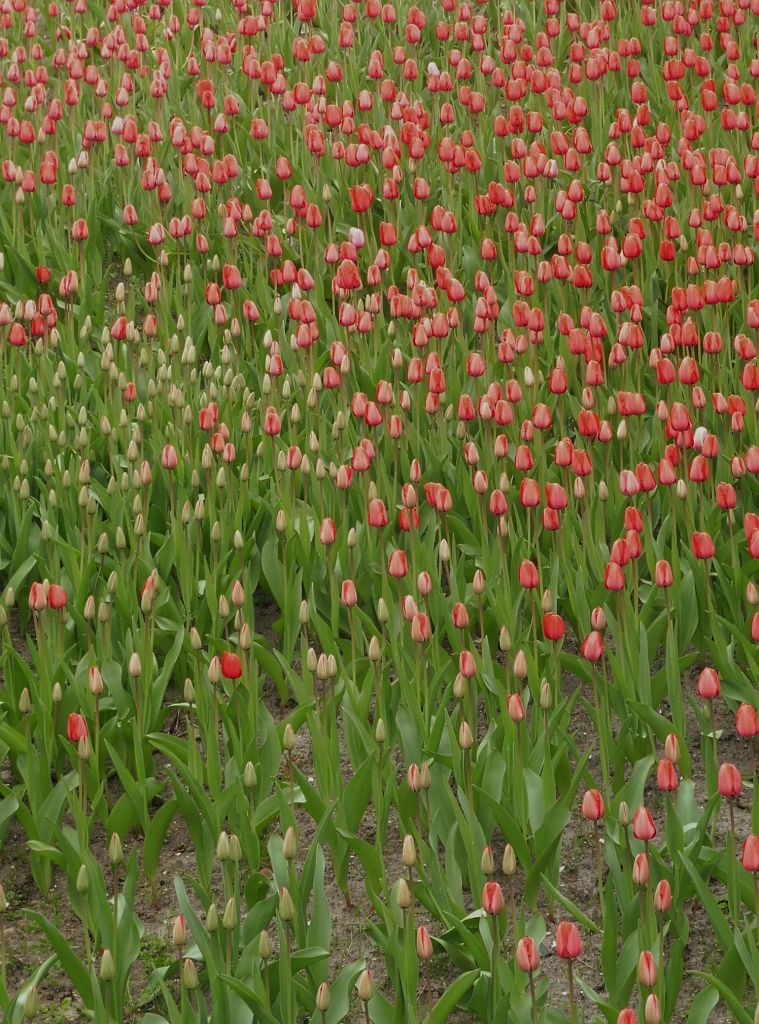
(569, 947)
(528, 959)
(56, 596)
(492, 898)
(231, 666)
(568, 941)
(643, 825)
(729, 781)
(76, 727)
(647, 972)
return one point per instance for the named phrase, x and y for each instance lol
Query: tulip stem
(3, 958)
(532, 999)
(733, 867)
(115, 943)
(494, 955)
(599, 869)
(572, 1014)
(600, 725)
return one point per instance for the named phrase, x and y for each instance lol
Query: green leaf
(742, 1016)
(156, 835)
(72, 966)
(450, 999)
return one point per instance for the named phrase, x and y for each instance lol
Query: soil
(27, 946)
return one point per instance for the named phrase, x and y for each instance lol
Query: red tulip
(593, 805)
(327, 532)
(666, 776)
(647, 971)
(708, 684)
(592, 647)
(728, 781)
(663, 897)
(702, 545)
(746, 721)
(751, 854)
(56, 596)
(568, 941)
(231, 666)
(643, 825)
(492, 898)
(397, 565)
(553, 626)
(528, 575)
(528, 958)
(663, 576)
(76, 727)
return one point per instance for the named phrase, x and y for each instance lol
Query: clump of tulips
(379, 447)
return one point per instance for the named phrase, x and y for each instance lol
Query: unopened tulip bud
(647, 972)
(96, 681)
(509, 861)
(459, 687)
(652, 1013)
(365, 987)
(466, 740)
(135, 665)
(107, 966)
(624, 814)
(403, 894)
(641, 871)
(409, 851)
(424, 948)
(322, 997)
(380, 733)
(115, 851)
(663, 897)
(425, 776)
(288, 739)
(235, 849)
(286, 906)
(179, 931)
(57, 694)
(222, 847)
(230, 918)
(672, 748)
(290, 844)
(212, 919)
(520, 665)
(190, 978)
(82, 881)
(487, 863)
(264, 946)
(249, 775)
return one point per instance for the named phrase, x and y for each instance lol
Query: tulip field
(379, 511)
